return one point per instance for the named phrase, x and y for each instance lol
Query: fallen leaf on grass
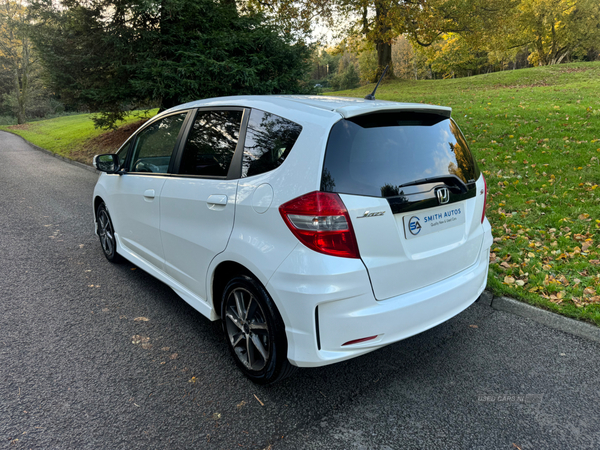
(585, 217)
(553, 298)
(141, 319)
(509, 280)
(577, 302)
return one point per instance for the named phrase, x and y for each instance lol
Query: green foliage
(324, 64)
(348, 79)
(111, 56)
(453, 56)
(8, 120)
(534, 133)
(547, 31)
(367, 64)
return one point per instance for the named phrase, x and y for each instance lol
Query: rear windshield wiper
(450, 180)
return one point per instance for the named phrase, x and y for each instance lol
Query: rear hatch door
(414, 195)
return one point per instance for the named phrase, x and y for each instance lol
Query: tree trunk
(19, 106)
(382, 44)
(543, 59)
(384, 58)
(167, 103)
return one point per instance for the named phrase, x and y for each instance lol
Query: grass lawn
(536, 135)
(75, 136)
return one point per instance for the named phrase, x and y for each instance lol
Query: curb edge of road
(63, 158)
(505, 304)
(550, 319)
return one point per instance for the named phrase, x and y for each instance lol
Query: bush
(8, 120)
(348, 79)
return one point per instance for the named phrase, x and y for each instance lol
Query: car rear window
(376, 154)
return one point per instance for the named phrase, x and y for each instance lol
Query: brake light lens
(484, 198)
(320, 221)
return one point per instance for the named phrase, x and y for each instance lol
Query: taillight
(321, 222)
(484, 198)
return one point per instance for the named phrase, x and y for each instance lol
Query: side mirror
(108, 163)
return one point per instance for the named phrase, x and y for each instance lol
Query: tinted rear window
(211, 143)
(376, 154)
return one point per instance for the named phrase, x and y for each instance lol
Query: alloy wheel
(247, 329)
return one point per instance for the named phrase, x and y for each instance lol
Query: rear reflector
(484, 198)
(357, 341)
(320, 221)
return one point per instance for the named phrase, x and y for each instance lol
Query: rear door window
(380, 155)
(211, 143)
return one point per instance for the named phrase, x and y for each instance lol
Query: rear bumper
(340, 299)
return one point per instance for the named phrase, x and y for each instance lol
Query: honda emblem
(443, 195)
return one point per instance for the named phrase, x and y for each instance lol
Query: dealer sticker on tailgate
(425, 222)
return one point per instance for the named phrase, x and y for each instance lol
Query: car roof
(345, 106)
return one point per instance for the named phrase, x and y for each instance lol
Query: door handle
(216, 201)
(149, 193)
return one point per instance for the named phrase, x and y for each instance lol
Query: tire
(254, 331)
(106, 233)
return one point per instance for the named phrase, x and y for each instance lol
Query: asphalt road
(78, 371)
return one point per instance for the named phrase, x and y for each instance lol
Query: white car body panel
(136, 205)
(196, 220)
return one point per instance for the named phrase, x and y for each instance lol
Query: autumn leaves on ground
(536, 135)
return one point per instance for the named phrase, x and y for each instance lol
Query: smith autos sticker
(421, 223)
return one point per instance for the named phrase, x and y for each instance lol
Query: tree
(381, 21)
(346, 79)
(114, 55)
(555, 29)
(17, 59)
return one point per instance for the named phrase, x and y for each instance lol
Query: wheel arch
(97, 202)
(224, 271)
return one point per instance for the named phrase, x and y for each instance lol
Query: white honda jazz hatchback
(316, 228)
